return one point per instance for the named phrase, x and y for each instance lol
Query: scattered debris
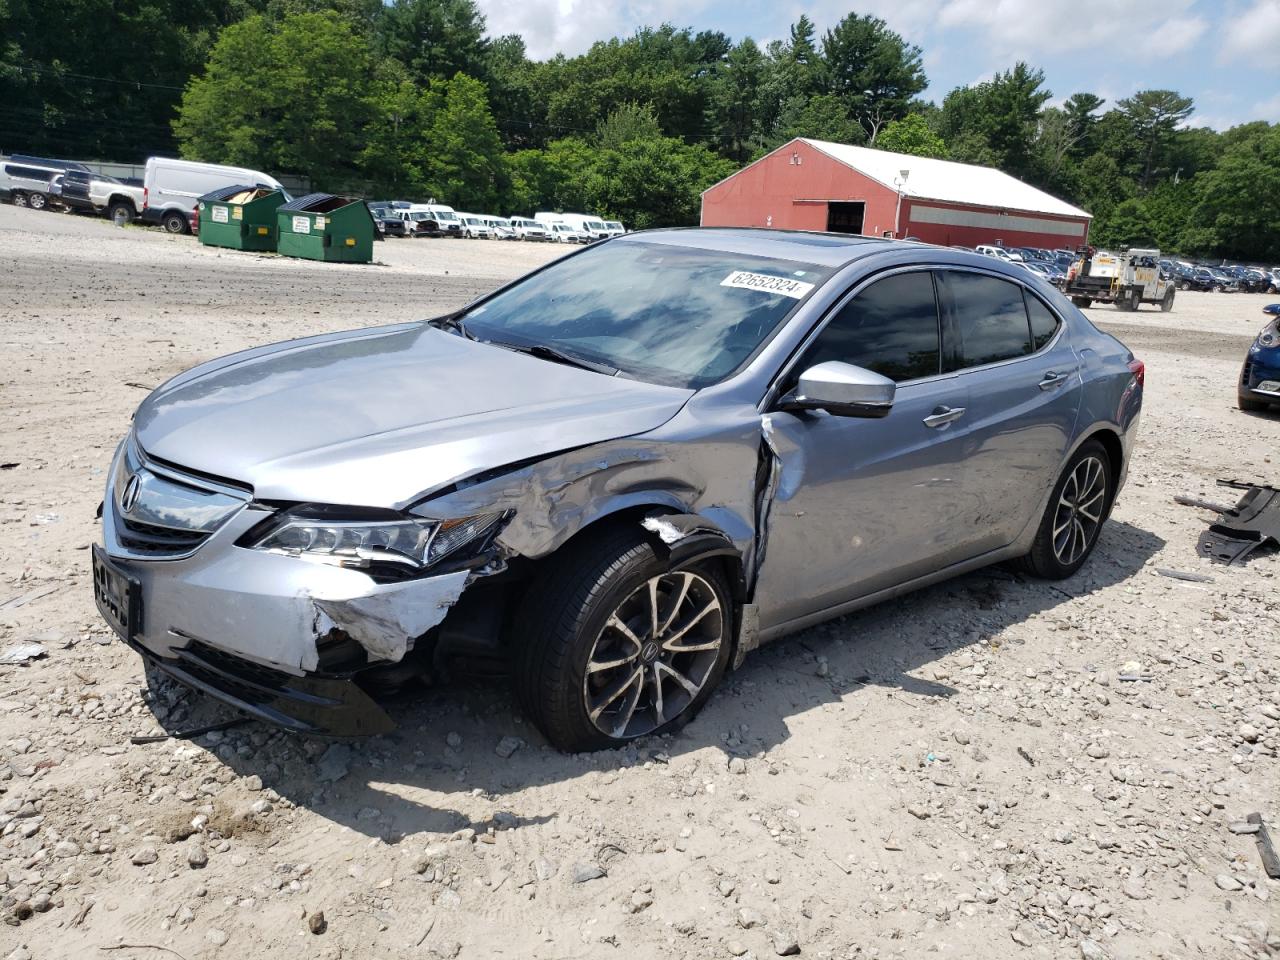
(189, 734)
(507, 746)
(1240, 530)
(21, 653)
(1026, 756)
(1183, 575)
(316, 923)
(1266, 849)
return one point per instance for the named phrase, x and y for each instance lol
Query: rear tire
(175, 222)
(594, 609)
(1082, 302)
(1078, 507)
(118, 206)
(19, 198)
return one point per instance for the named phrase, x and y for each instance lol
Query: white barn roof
(946, 180)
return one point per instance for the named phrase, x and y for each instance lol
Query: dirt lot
(963, 772)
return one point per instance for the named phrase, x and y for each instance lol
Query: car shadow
(449, 740)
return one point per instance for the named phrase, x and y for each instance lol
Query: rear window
(990, 317)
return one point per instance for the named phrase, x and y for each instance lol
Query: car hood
(380, 417)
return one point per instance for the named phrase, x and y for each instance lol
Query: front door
(863, 504)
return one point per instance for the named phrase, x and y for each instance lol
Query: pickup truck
(101, 195)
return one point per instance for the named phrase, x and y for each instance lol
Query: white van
(170, 188)
(474, 226)
(526, 229)
(446, 217)
(592, 226)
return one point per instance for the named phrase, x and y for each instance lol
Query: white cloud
(1254, 34)
(571, 26)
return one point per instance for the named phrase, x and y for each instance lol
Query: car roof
(826, 249)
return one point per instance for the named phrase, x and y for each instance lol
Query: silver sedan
(611, 479)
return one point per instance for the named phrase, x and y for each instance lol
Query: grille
(151, 539)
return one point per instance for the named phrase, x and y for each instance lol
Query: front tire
(1082, 302)
(1072, 521)
(37, 201)
(617, 644)
(1166, 304)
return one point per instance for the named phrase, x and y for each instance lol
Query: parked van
(593, 227)
(27, 180)
(475, 226)
(526, 229)
(171, 187)
(561, 232)
(614, 228)
(445, 217)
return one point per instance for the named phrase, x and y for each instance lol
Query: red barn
(815, 185)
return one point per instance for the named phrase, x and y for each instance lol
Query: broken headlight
(410, 543)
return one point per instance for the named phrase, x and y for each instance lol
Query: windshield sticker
(795, 289)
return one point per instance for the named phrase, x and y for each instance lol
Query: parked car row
(1050, 265)
(404, 219)
(1226, 278)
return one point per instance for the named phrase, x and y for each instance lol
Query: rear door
(1014, 356)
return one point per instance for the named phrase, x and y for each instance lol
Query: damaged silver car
(610, 479)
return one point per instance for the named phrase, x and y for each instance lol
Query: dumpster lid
(318, 203)
(240, 193)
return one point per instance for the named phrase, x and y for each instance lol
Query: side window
(990, 317)
(1044, 323)
(891, 327)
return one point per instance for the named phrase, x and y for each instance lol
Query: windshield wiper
(452, 322)
(545, 352)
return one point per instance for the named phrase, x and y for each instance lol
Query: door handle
(942, 416)
(1055, 378)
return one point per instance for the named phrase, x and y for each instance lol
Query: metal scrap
(1266, 849)
(21, 653)
(390, 617)
(1240, 530)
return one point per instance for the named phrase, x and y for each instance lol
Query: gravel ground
(962, 772)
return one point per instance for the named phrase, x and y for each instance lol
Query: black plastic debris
(1251, 523)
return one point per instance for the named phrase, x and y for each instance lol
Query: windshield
(674, 315)
(419, 216)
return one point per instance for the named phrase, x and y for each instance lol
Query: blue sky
(1225, 54)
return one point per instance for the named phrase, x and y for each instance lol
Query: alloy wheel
(1079, 513)
(654, 655)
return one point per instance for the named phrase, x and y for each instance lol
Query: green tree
(736, 100)
(873, 70)
(630, 121)
(1154, 116)
(435, 39)
(912, 135)
(465, 162)
(1081, 112)
(296, 95)
(824, 117)
(654, 182)
(996, 122)
(1240, 198)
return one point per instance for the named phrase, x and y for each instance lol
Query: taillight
(146, 195)
(1139, 371)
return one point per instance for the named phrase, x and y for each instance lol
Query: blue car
(1260, 377)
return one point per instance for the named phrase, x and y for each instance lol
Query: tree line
(411, 98)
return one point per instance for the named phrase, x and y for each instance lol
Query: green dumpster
(240, 217)
(321, 226)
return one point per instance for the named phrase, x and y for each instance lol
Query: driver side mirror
(842, 390)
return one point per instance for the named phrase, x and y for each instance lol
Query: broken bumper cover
(248, 626)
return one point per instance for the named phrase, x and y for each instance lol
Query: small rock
(1225, 881)
(737, 765)
(784, 943)
(736, 948)
(1097, 751)
(197, 856)
(587, 871)
(1247, 732)
(253, 782)
(334, 763)
(216, 936)
(316, 922)
(920, 813)
(507, 746)
(453, 739)
(22, 953)
(65, 848)
(726, 887)
(544, 869)
(1091, 950)
(1134, 889)
(748, 918)
(1022, 934)
(772, 877)
(639, 901)
(144, 855)
(1131, 667)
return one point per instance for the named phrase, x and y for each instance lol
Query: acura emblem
(130, 496)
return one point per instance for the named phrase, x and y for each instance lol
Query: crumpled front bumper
(248, 627)
(1261, 366)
